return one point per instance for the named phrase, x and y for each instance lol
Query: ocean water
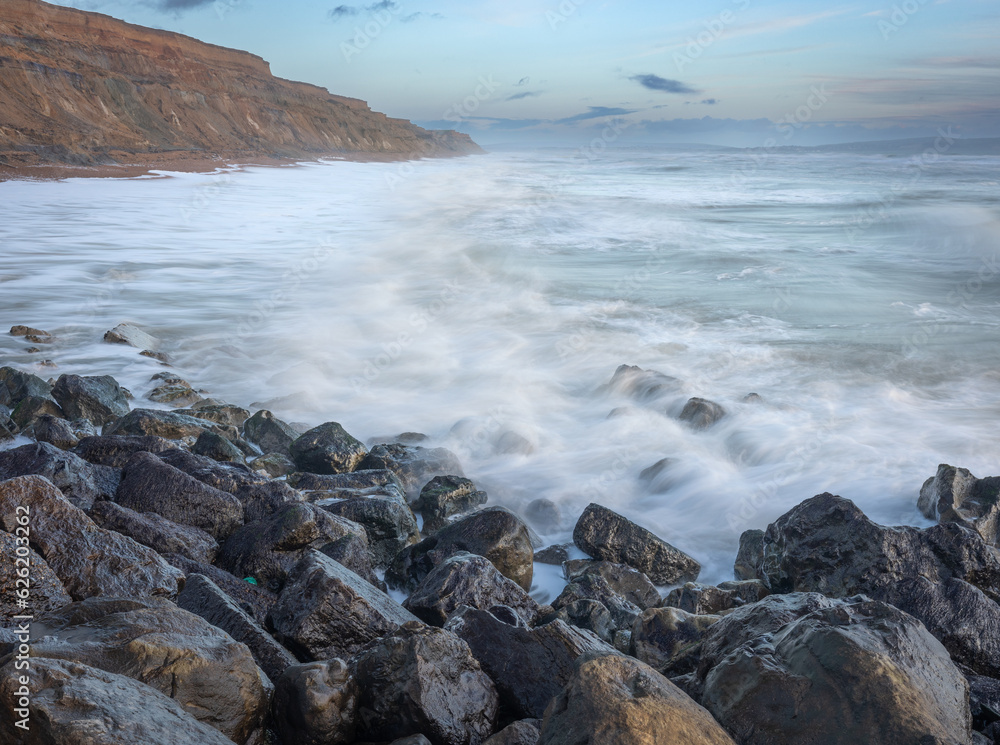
(858, 296)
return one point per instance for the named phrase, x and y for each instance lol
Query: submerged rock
(316, 703)
(414, 466)
(641, 385)
(955, 495)
(133, 336)
(99, 399)
(701, 413)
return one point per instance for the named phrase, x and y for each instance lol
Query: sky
(745, 73)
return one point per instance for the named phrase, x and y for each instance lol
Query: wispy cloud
(710, 101)
(524, 94)
(595, 112)
(346, 11)
(420, 15)
(656, 83)
(179, 5)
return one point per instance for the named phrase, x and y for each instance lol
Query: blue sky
(556, 72)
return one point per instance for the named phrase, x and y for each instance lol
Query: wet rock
(160, 534)
(115, 450)
(606, 535)
(525, 732)
(528, 666)
(669, 639)
(46, 591)
(74, 703)
(204, 598)
(82, 483)
(701, 413)
(178, 396)
(750, 556)
(167, 424)
(326, 610)
(8, 430)
(87, 559)
(32, 408)
(511, 443)
(653, 472)
(150, 485)
(388, 521)
(423, 679)
(133, 336)
(217, 447)
(99, 399)
(412, 740)
(15, 386)
(641, 385)
(984, 702)
(955, 495)
(334, 482)
(554, 555)
(595, 587)
(753, 398)
(470, 580)
(414, 466)
(629, 583)
(806, 668)
(274, 465)
(20, 330)
(254, 600)
(327, 449)
(179, 654)
(445, 496)
(316, 703)
(268, 550)
(498, 535)
(54, 431)
(270, 433)
(220, 413)
(708, 599)
(616, 700)
(589, 615)
(544, 515)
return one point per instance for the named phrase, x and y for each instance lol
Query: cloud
(178, 5)
(420, 14)
(342, 11)
(656, 83)
(345, 11)
(523, 81)
(525, 94)
(710, 101)
(595, 112)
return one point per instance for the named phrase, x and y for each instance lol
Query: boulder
(750, 556)
(554, 555)
(15, 386)
(495, 533)
(326, 610)
(651, 473)
(709, 599)
(133, 336)
(595, 587)
(217, 447)
(82, 483)
(524, 732)
(220, 413)
(470, 580)
(388, 520)
(528, 666)
(669, 639)
(31, 409)
(204, 598)
(608, 536)
(316, 703)
(270, 433)
(327, 449)
(701, 413)
(806, 668)
(423, 679)
(274, 465)
(544, 515)
(445, 496)
(413, 465)
(160, 534)
(178, 396)
(8, 430)
(74, 703)
(628, 583)
(167, 424)
(54, 431)
(115, 450)
(955, 495)
(27, 577)
(99, 399)
(252, 599)
(87, 559)
(213, 677)
(641, 385)
(354, 480)
(616, 700)
(587, 614)
(151, 485)
(268, 550)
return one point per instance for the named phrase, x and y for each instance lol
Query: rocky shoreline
(203, 574)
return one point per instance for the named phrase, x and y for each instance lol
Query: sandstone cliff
(85, 88)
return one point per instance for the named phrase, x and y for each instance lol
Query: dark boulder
(606, 535)
(587, 614)
(669, 639)
(470, 580)
(269, 433)
(445, 496)
(326, 610)
(175, 395)
(750, 556)
(26, 577)
(629, 583)
(337, 481)
(133, 336)
(413, 465)
(274, 465)
(166, 424)
(54, 431)
(709, 599)
(160, 534)
(252, 599)
(327, 449)
(554, 555)
(524, 732)
(423, 679)
(115, 450)
(29, 410)
(87, 559)
(495, 533)
(595, 587)
(215, 446)
(316, 703)
(388, 520)
(701, 413)
(15, 386)
(227, 414)
(955, 495)
(641, 385)
(82, 483)
(99, 399)
(544, 516)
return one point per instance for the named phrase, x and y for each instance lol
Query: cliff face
(79, 87)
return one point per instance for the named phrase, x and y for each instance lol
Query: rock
(606, 535)
(445, 496)
(27, 331)
(669, 639)
(641, 385)
(30, 409)
(587, 614)
(160, 534)
(806, 668)
(544, 515)
(217, 447)
(388, 520)
(528, 666)
(355, 480)
(220, 413)
(167, 424)
(701, 413)
(269, 432)
(254, 600)
(955, 495)
(511, 443)
(178, 396)
(525, 732)
(133, 336)
(99, 399)
(473, 581)
(74, 703)
(15, 386)
(709, 600)
(26, 572)
(498, 535)
(268, 550)
(984, 701)
(423, 679)
(54, 431)
(554, 555)
(274, 465)
(115, 450)
(204, 598)
(651, 473)
(327, 449)
(750, 556)
(414, 466)
(150, 485)
(595, 587)
(175, 652)
(82, 483)
(316, 703)
(629, 583)
(326, 610)
(412, 740)
(8, 430)
(615, 700)
(87, 559)
(945, 576)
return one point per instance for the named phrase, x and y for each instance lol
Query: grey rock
(178, 396)
(587, 614)
(269, 432)
(160, 534)
(653, 472)
(220, 413)
(133, 336)
(445, 496)
(99, 399)
(524, 732)
(701, 413)
(544, 515)
(595, 587)
(327, 449)
(31, 409)
(16, 385)
(955, 495)
(82, 483)
(629, 583)
(511, 443)
(167, 424)
(274, 465)
(750, 556)
(388, 520)
(355, 480)
(115, 450)
(413, 465)
(54, 431)
(641, 385)
(252, 599)
(555, 555)
(316, 703)
(708, 599)
(217, 447)
(669, 639)
(44, 591)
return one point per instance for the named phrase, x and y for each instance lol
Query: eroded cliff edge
(86, 89)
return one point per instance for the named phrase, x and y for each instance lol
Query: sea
(488, 301)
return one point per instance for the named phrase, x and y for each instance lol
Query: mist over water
(859, 296)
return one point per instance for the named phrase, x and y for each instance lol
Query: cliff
(84, 88)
